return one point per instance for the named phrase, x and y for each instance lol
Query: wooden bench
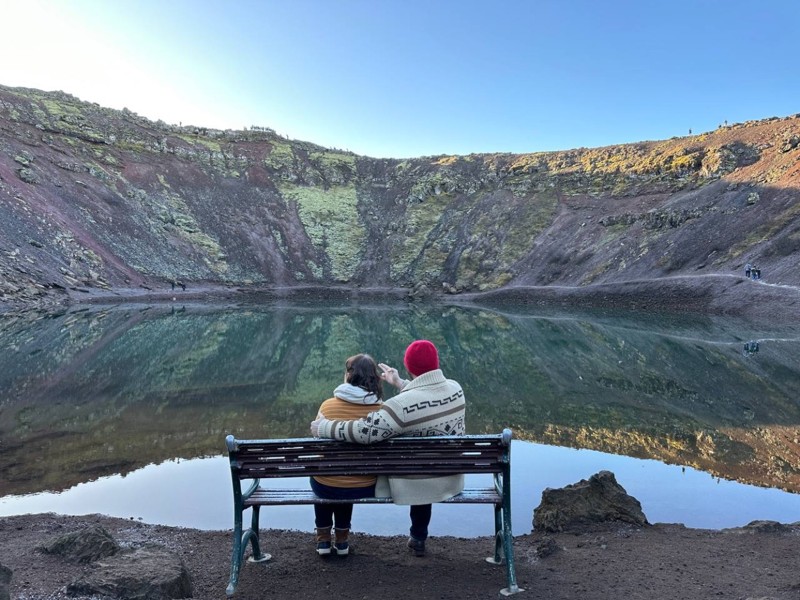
(442, 455)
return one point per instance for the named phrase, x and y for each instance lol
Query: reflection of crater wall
(683, 394)
(119, 389)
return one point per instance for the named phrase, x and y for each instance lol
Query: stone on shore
(148, 573)
(762, 526)
(598, 500)
(84, 546)
(5, 581)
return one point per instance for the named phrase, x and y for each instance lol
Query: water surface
(111, 410)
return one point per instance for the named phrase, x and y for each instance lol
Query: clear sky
(403, 78)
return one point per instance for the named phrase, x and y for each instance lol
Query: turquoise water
(110, 410)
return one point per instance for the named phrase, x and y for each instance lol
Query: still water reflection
(118, 404)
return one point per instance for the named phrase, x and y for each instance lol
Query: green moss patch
(331, 220)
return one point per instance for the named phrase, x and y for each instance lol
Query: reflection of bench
(441, 455)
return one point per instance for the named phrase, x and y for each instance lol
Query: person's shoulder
(330, 401)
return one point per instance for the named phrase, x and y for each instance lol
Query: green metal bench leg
(236, 555)
(508, 548)
(498, 541)
(257, 555)
(240, 541)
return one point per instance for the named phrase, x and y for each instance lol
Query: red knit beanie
(421, 357)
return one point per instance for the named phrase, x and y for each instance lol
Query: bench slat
(377, 456)
(397, 456)
(257, 471)
(263, 496)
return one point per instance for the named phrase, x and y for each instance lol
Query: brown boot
(323, 538)
(341, 544)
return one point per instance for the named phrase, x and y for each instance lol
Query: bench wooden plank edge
(289, 496)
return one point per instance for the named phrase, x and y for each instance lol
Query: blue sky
(401, 78)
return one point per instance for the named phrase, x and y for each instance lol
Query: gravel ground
(605, 562)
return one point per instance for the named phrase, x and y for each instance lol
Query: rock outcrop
(149, 573)
(84, 546)
(5, 581)
(764, 526)
(596, 500)
(143, 573)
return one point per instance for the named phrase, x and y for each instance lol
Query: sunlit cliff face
(92, 198)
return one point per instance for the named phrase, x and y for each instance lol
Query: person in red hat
(428, 404)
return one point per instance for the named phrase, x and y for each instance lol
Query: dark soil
(613, 561)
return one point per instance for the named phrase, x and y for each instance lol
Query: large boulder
(5, 581)
(597, 500)
(148, 573)
(84, 546)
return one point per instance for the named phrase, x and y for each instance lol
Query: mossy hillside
(175, 246)
(306, 164)
(454, 177)
(101, 173)
(621, 170)
(455, 223)
(211, 145)
(61, 109)
(208, 152)
(767, 232)
(414, 239)
(67, 115)
(11, 110)
(656, 159)
(429, 265)
(651, 158)
(479, 265)
(280, 159)
(335, 168)
(441, 193)
(463, 224)
(63, 114)
(176, 216)
(504, 232)
(332, 223)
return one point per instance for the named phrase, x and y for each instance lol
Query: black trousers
(420, 519)
(338, 515)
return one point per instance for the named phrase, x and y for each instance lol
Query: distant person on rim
(427, 405)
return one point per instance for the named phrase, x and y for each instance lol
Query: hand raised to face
(390, 375)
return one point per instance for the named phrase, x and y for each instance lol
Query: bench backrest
(302, 457)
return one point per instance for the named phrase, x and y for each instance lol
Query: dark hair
(363, 372)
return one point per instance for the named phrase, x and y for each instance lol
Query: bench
(441, 455)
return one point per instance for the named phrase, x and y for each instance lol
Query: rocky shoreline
(599, 562)
(590, 540)
(724, 295)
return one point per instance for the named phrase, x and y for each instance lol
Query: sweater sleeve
(375, 427)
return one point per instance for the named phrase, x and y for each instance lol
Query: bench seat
(277, 497)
